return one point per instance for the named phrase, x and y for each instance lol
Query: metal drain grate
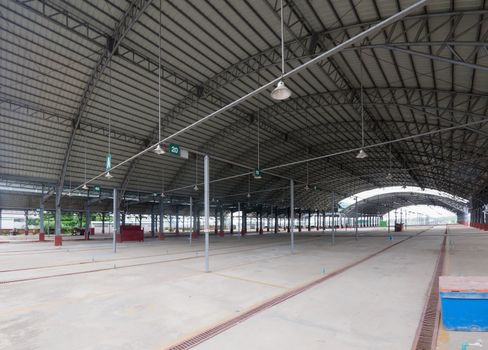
(221, 327)
(426, 336)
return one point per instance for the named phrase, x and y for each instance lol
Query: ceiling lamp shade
(85, 187)
(361, 154)
(280, 92)
(307, 187)
(163, 195)
(159, 150)
(108, 175)
(195, 188)
(248, 195)
(389, 176)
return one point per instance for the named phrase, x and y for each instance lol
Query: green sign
(257, 173)
(97, 188)
(174, 149)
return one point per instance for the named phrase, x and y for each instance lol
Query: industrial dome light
(85, 187)
(159, 150)
(389, 176)
(361, 154)
(195, 188)
(108, 175)
(248, 195)
(163, 195)
(307, 187)
(281, 91)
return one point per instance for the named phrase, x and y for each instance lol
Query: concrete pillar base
(58, 240)
(261, 231)
(42, 237)
(221, 233)
(87, 237)
(243, 232)
(195, 234)
(161, 237)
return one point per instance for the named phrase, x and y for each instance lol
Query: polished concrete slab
(150, 295)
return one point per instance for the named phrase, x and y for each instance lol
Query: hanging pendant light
(281, 91)
(108, 160)
(362, 154)
(85, 187)
(159, 150)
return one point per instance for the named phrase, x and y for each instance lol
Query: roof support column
(309, 218)
(103, 223)
(356, 220)
(276, 220)
(292, 217)
(192, 220)
(206, 176)
(231, 222)
(333, 218)
(161, 219)
(87, 221)
(177, 220)
(58, 240)
(115, 219)
(41, 221)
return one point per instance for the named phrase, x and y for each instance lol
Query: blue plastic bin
(464, 303)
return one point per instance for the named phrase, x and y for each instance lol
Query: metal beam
(132, 14)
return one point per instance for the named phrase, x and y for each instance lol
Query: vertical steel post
(239, 230)
(87, 221)
(161, 216)
(115, 219)
(103, 223)
(191, 219)
(292, 217)
(333, 218)
(57, 225)
(207, 207)
(356, 219)
(41, 217)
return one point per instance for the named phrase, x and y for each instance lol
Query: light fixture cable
(159, 149)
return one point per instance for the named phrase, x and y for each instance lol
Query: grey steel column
(41, 217)
(333, 218)
(103, 223)
(292, 217)
(26, 214)
(239, 230)
(357, 216)
(206, 178)
(57, 228)
(191, 219)
(177, 220)
(161, 216)
(115, 218)
(87, 222)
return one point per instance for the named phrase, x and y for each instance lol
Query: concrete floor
(153, 294)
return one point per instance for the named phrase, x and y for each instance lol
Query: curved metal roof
(383, 203)
(426, 72)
